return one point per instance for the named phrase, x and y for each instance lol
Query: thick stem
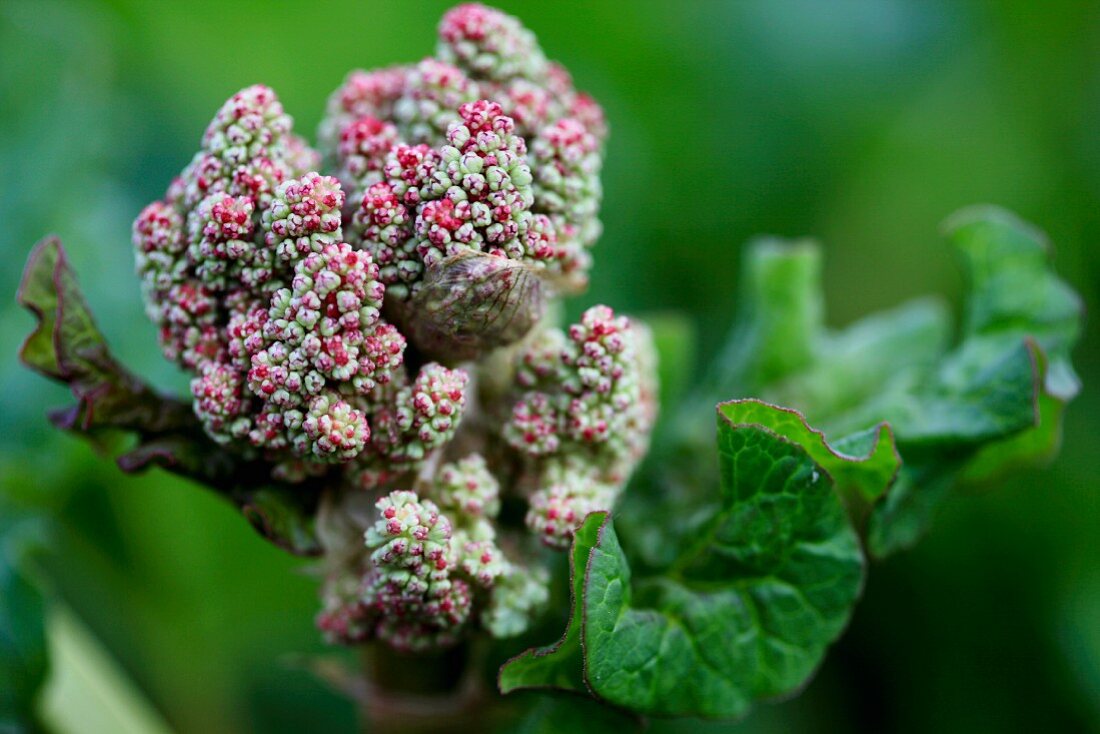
(417, 694)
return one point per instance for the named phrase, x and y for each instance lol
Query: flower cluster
(489, 44)
(585, 408)
(413, 589)
(416, 585)
(377, 330)
(198, 249)
(364, 146)
(304, 218)
(516, 174)
(472, 195)
(422, 416)
(468, 490)
(567, 161)
(434, 90)
(246, 271)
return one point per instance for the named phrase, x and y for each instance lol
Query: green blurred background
(861, 123)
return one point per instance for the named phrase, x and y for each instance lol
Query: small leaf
(38, 293)
(781, 314)
(67, 346)
(559, 665)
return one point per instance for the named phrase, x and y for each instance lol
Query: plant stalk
(440, 693)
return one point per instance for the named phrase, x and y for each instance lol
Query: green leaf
(781, 313)
(748, 611)
(863, 463)
(965, 412)
(559, 665)
(997, 400)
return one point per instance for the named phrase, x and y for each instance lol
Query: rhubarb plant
(380, 381)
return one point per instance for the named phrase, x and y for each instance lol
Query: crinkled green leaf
(748, 611)
(67, 346)
(991, 401)
(863, 464)
(1000, 395)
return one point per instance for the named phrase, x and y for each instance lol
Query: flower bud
(472, 303)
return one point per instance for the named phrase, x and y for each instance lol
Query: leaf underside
(67, 346)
